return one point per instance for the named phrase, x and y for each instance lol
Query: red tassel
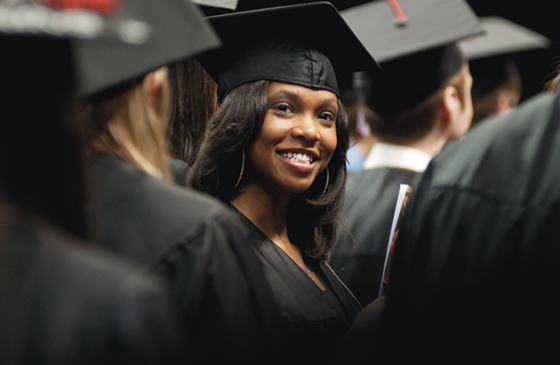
(398, 12)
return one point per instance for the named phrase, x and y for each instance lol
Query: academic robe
(476, 265)
(363, 235)
(316, 319)
(63, 301)
(179, 170)
(201, 246)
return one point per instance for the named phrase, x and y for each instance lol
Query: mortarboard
(502, 37)
(115, 42)
(216, 7)
(340, 5)
(491, 55)
(158, 33)
(415, 42)
(302, 44)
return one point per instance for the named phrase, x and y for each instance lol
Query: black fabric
(65, 302)
(316, 26)
(115, 43)
(363, 235)
(244, 5)
(289, 63)
(317, 319)
(179, 169)
(475, 267)
(202, 247)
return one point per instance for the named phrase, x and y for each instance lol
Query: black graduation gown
(476, 264)
(200, 245)
(317, 319)
(62, 302)
(179, 170)
(361, 245)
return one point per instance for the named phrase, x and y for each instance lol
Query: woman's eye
(327, 116)
(283, 108)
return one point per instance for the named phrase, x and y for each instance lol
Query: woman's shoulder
(121, 185)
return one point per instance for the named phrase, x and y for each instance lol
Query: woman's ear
(157, 89)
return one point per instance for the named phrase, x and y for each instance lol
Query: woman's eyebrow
(296, 96)
(285, 93)
(330, 101)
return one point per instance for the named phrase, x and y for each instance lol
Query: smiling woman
(297, 139)
(276, 151)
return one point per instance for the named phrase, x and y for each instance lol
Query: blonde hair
(133, 125)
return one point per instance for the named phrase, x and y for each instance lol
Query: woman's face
(297, 139)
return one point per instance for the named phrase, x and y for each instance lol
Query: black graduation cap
(299, 44)
(216, 7)
(415, 42)
(491, 55)
(340, 5)
(149, 34)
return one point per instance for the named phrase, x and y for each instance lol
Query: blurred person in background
(497, 85)
(62, 300)
(195, 241)
(421, 100)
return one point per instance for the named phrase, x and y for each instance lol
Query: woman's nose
(306, 129)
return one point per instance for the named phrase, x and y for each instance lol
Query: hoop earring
(242, 168)
(326, 184)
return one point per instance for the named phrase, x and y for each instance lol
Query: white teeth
(298, 158)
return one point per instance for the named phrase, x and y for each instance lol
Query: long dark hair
(312, 215)
(193, 101)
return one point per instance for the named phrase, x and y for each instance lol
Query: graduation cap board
(491, 55)
(340, 5)
(415, 42)
(502, 37)
(215, 7)
(426, 24)
(173, 30)
(299, 44)
(115, 41)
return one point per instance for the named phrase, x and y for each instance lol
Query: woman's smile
(298, 158)
(297, 138)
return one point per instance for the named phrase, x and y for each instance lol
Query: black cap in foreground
(115, 42)
(415, 42)
(340, 5)
(158, 33)
(301, 44)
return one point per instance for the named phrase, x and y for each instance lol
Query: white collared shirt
(394, 156)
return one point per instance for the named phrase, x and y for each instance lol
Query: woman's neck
(266, 210)
(269, 212)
